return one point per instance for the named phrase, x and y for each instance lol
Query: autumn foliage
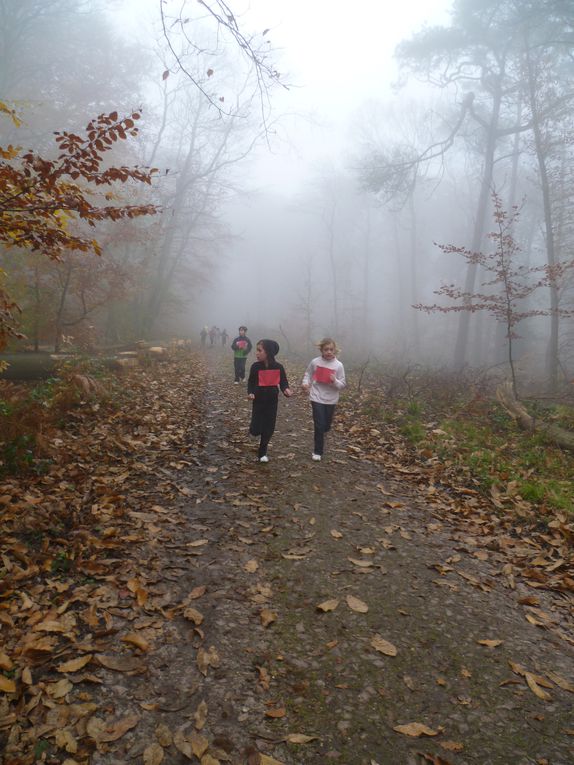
(47, 205)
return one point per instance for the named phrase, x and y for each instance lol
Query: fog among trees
(262, 215)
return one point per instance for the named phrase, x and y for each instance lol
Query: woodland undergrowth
(453, 426)
(449, 436)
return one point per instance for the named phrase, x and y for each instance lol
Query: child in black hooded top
(266, 376)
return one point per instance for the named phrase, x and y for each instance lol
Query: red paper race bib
(323, 374)
(241, 344)
(268, 378)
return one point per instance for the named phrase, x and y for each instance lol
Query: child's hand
(305, 387)
(333, 378)
(288, 392)
(251, 396)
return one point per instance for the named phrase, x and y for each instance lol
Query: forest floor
(219, 610)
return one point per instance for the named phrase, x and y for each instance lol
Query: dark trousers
(239, 367)
(263, 444)
(263, 419)
(322, 419)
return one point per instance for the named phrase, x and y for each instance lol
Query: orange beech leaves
(45, 202)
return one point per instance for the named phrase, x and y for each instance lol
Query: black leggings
(263, 419)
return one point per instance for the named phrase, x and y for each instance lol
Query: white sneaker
(316, 457)
(236, 382)
(265, 458)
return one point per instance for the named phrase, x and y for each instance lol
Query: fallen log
(552, 433)
(30, 365)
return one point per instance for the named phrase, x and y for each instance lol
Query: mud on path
(301, 612)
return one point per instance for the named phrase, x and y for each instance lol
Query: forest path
(266, 677)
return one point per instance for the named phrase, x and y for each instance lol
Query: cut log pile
(35, 366)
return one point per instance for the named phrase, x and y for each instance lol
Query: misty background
(311, 159)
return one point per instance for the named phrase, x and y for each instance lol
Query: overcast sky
(335, 55)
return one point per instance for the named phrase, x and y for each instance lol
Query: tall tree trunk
(399, 291)
(333, 265)
(59, 323)
(365, 321)
(552, 349)
(414, 315)
(461, 343)
(501, 332)
(37, 299)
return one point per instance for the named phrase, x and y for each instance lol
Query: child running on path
(266, 376)
(324, 378)
(241, 348)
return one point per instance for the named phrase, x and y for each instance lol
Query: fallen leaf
(60, 689)
(134, 639)
(114, 731)
(383, 646)
(275, 713)
(65, 740)
(299, 738)
(206, 659)
(164, 735)
(207, 759)
(251, 566)
(535, 688)
(200, 715)
(328, 605)
(119, 663)
(7, 685)
(432, 759)
(561, 682)
(529, 600)
(409, 682)
(267, 760)
(74, 664)
(267, 617)
(199, 744)
(452, 746)
(361, 563)
(490, 643)
(182, 744)
(415, 730)
(193, 615)
(153, 754)
(264, 678)
(197, 592)
(357, 605)
(336, 534)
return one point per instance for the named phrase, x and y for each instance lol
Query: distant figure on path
(324, 378)
(203, 335)
(266, 377)
(212, 335)
(224, 337)
(241, 348)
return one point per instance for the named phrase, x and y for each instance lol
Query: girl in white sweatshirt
(324, 378)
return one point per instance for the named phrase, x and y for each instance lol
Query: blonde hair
(328, 341)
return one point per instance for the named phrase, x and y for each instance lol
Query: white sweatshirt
(324, 393)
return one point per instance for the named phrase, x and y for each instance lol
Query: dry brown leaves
(66, 566)
(536, 543)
